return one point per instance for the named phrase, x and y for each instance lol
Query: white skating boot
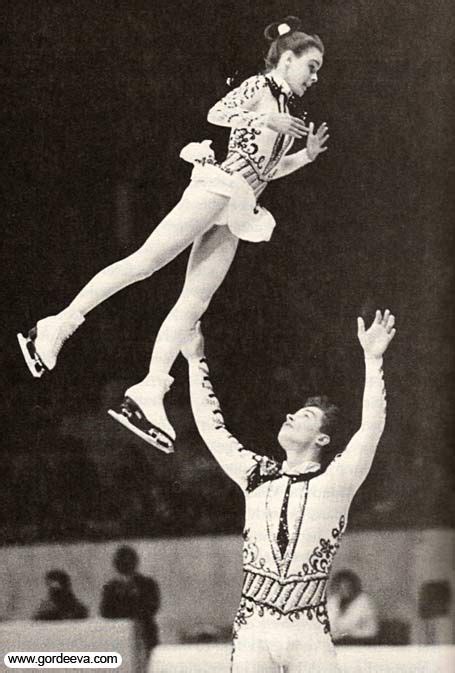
(43, 343)
(142, 412)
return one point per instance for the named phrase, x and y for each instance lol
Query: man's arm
(355, 462)
(236, 461)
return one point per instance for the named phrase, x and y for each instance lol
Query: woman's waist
(239, 163)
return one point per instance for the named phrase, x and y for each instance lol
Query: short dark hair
(59, 576)
(330, 420)
(126, 560)
(348, 576)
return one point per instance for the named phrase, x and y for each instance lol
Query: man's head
(126, 560)
(309, 430)
(346, 584)
(58, 583)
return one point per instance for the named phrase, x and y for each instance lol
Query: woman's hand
(316, 141)
(282, 122)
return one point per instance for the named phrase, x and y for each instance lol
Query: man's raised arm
(237, 462)
(355, 462)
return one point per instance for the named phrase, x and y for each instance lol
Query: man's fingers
(360, 326)
(390, 323)
(378, 317)
(392, 333)
(385, 317)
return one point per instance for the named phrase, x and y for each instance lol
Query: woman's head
(294, 54)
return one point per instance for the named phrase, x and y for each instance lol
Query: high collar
(302, 468)
(281, 82)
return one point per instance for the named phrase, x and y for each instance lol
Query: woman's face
(301, 71)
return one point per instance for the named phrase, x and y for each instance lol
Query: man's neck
(295, 458)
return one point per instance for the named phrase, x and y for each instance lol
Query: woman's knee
(194, 304)
(137, 266)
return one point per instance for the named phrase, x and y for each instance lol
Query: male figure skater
(296, 512)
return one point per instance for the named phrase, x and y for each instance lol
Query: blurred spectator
(352, 613)
(131, 595)
(61, 603)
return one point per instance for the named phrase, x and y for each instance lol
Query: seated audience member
(131, 595)
(352, 613)
(60, 603)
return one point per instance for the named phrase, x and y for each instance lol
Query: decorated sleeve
(239, 464)
(238, 109)
(352, 466)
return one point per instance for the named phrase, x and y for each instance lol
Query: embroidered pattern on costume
(242, 139)
(217, 417)
(264, 592)
(263, 471)
(323, 555)
(243, 93)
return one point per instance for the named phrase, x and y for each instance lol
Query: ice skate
(142, 412)
(42, 345)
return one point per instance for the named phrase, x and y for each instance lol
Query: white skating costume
(294, 521)
(219, 194)
(256, 154)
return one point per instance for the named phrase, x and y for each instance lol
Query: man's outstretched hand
(375, 340)
(194, 346)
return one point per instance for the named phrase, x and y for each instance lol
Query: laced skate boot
(142, 412)
(44, 341)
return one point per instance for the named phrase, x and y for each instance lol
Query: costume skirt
(242, 215)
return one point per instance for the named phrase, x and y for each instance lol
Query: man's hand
(375, 340)
(316, 141)
(194, 346)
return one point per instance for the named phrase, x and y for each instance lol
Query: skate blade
(33, 362)
(165, 444)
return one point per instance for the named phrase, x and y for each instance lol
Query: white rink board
(216, 658)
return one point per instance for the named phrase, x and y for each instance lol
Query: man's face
(345, 589)
(303, 428)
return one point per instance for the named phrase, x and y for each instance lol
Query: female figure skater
(218, 208)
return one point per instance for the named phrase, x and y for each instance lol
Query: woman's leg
(209, 262)
(194, 214)
(211, 257)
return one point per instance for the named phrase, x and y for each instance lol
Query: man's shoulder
(263, 470)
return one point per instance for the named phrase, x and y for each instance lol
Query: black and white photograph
(227, 336)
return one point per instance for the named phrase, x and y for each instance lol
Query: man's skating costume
(294, 521)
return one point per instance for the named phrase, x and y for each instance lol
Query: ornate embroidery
(263, 471)
(323, 555)
(249, 607)
(242, 139)
(244, 93)
(264, 592)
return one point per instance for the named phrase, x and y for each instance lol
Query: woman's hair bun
(278, 28)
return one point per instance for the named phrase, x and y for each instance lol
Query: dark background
(98, 98)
